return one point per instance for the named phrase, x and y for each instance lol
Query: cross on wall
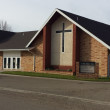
(63, 34)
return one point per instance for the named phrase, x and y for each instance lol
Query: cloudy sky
(28, 15)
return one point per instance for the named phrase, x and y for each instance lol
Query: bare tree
(4, 26)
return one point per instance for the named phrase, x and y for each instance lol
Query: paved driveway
(28, 93)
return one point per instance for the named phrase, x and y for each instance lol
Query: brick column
(78, 32)
(74, 50)
(46, 46)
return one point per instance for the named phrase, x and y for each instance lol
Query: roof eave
(41, 27)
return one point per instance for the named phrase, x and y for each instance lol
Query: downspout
(33, 58)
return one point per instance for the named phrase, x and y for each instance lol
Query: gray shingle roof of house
(12, 40)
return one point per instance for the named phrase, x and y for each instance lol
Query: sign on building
(87, 67)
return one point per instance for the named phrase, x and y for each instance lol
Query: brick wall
(1, 60)
(93, 51)
(26, 61)
(38, 52)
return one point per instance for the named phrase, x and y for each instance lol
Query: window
(5, 62)
(18, 63)
(9, 62)
(14, 62)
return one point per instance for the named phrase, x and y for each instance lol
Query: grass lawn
(35, 74)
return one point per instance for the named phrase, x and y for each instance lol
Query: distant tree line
(4, 26)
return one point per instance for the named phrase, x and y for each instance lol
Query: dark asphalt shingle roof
(100, 30)
(11, 40)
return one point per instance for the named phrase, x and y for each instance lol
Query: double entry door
(11, 63)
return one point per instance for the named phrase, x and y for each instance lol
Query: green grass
(35, 74)
(58, 76)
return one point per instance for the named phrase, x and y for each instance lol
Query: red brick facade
(26, 61)
(93, 51)
(38, 52)
(33, 60)
(62, 67)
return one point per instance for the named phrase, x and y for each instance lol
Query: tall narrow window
(5, 62)
(9, 62)
(18, 63)
(14, 62)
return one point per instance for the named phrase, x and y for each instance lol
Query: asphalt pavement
(30, 93)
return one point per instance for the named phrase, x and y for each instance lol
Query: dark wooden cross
(63, 33)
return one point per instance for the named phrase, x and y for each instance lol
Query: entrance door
(11, 63)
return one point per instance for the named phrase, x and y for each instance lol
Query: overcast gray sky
(28, 15)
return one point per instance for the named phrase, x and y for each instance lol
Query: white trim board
(14, 49)
(85, 30)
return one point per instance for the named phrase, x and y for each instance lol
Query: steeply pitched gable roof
(101, 30)
(97, 30)
(12, 40)
(22, 40)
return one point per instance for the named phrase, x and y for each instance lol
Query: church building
(66, 42)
